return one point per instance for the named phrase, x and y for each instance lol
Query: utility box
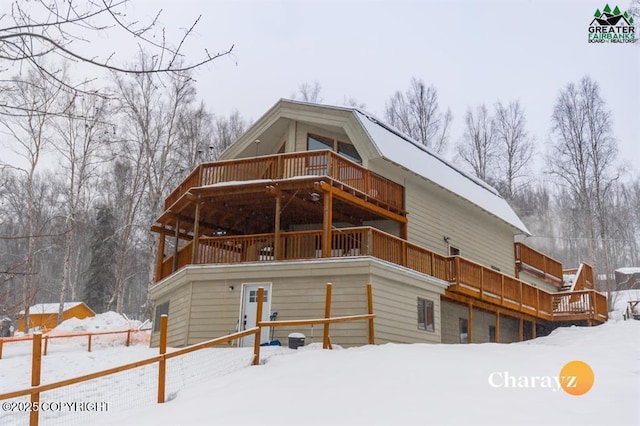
(296, 340)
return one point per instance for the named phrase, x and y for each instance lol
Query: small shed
(45, 315)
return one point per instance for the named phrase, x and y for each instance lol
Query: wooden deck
(537, 263)
(295, 165)
(466, 277)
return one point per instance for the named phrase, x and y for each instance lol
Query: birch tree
(477, 148)
(417, 113)
(514, 148)
(80, 136)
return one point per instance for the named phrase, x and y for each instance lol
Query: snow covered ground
(388, 384)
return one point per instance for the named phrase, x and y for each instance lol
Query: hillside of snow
(382, 385)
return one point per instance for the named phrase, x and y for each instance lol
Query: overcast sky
(473, 52)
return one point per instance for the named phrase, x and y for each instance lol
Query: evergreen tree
(101, 273)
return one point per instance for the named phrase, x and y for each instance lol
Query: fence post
(36, 364)
(372, 338)
(327, 314)
(128, 338)
(1, 347)
(258, 335)
(89, 344)
(162, 364)
(46, 344)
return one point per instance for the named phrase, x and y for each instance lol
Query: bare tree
(33, 30)
(417, 113)
(80, 137)
(31, 136)
(514, 147)
(151, 113)
(582, 158)
(478, 145)
(309, 92)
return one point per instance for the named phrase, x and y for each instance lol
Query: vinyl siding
(298, 291)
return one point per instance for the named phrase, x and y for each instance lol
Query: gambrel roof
(400, 149)
(391, 145)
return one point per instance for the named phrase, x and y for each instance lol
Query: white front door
(248, 310)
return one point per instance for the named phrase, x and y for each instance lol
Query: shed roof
(51, 308)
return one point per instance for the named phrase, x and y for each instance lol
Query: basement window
(425, 315)
(162, 309)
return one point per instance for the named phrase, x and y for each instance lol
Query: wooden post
(372, 336)
(89, 343)
(326, 223)
(1, 347)
(128, 338)
(46, 344)
(327, 314)
(594, 310)
(497, 327)
(175, 248)
(276, 232)
(161, 242)
(533, 329)
(470, 329)
(256, 340)
(162, 364)
(521, 329)
(36, 365)
(196, 230)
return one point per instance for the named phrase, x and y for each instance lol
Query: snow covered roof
(400, 149)
(50, 308)
(628, 271)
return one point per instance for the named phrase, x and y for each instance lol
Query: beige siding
(178, 316)
(435, 214)
(298, 292)
(538, 282)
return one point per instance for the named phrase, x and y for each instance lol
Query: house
(45, 315)
(312, 194)
(627, 278)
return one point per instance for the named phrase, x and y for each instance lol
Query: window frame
(334, 146)
(161, 309)
(426, 313)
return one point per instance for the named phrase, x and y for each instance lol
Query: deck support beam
(497, 326)
(276, 232)
(327, 224)
(470, 325)
(175, 246)
(521, 329)
(161, 241)
(196, 230)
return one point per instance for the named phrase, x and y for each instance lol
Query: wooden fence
(36, 388)
(46, 337)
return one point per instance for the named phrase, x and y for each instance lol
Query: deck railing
(298, 164)
(537, 262)
(466, 277)
(584, 277)
(580, 304)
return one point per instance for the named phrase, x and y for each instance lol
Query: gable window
(162, 309)
(425, 315)
(347, 150)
